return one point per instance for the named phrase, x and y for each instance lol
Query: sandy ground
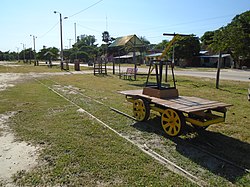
(14, 156)
(7, 79)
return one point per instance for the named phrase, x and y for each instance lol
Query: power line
(186, 23)
(89, 28)
(86, 8)
(49, 30)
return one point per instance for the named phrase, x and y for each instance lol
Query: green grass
(77, 150)
(27, 68)
(30, 68)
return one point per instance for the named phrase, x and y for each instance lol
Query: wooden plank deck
(181, 103)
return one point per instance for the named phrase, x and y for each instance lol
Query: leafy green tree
(83, 56)
(105, 37)
(147, 46)
(8, 56)
(27, 54)
(86, 40)
(1, 56)
(85, 48)
(103, 49)
(13, 56)
(48, 53)
(238, 37)
(69, 54)
(186, 47)
(161, 46)
(207, 39)
(234, 38)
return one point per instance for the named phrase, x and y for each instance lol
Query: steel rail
(167, 163)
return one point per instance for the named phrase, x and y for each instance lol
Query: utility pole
(34, 43)
(61, 38)
(75, 39)
(75, 31)
(17, 53)
(61, 41)
(70, 43)
(23, 51)
(218, 71)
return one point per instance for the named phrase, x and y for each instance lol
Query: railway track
(144, 148)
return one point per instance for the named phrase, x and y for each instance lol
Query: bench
(129, 73)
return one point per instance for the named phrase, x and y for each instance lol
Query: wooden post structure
(113, 67)
(134, 58)
(218, 71)
(166, 73)
(135, 66)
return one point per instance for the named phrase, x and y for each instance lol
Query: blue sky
(149, 18)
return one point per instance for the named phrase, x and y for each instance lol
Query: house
(128, 58)
(126, 48)
(130, 41)
(212, 60)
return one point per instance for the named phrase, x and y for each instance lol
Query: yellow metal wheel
(141, 109)
(172, 122)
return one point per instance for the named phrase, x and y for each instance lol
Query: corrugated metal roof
(203, 52)
(129, 55)
(154, 55)
(215, 56)
(130, 40)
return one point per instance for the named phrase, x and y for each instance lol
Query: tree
(207, 39)
(234, 39)
(105, 37)
(161, 46)
(238, 38)
(146, 43)
(51, 53)
(186, 47)
(103, 49)
(83, 56)
(27, 54)
(8, 56)
(88, 40)
(86, 44)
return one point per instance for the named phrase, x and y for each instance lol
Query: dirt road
(225, 74)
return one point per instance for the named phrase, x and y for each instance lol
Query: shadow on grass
(191, 145)
(143, 85)
(233, 91)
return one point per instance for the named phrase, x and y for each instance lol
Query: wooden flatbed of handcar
(175, 112)
(181, 103)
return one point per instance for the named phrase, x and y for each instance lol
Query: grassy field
(76, 150)
(21, 67)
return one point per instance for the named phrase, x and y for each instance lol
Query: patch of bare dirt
(14, 156)
(7, 80)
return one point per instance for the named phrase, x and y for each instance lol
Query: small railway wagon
(175, 112)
